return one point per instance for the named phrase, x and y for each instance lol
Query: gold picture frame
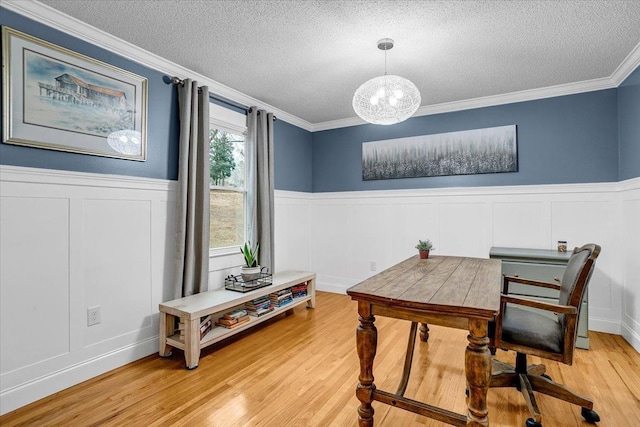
(58, 99)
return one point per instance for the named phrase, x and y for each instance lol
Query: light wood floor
(301, 370)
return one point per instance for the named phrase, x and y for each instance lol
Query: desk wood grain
(455, 285)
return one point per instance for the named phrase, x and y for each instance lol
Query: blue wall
(292, 153)
(568, 139)
(590, 137)
(162, 124)
(292, 157)
(629, 126)
(292, 146)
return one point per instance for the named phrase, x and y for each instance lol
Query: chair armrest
(556, 308)
(538, 283)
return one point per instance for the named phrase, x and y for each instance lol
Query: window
(227, 178)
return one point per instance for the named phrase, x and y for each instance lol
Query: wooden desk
(455, 292)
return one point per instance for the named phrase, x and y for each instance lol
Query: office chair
(527, 331)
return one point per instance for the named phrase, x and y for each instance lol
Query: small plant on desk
(424, 246)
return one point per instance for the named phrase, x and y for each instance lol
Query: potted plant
(251, 270)
(424, 246)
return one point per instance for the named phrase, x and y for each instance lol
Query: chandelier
(387, 99)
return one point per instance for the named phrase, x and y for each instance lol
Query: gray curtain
(259, 161)
(192, 232)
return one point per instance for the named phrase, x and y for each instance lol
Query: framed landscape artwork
(489, 150)
(58, 99)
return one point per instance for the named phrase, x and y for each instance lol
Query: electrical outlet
(372, 266)
(93, 316)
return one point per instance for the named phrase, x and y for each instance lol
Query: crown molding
(630, 63)
(628, 66)
(488, 101)
(55, 19)
(74, 27)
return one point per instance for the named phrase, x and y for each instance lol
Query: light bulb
(381, 92)
(393, 100)
(374, 100)
(398, 93)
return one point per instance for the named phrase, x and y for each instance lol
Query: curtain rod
(179, 81)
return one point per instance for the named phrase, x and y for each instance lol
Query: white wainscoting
(629, 250)
(356, 234)
(70, 241)
(292, 230)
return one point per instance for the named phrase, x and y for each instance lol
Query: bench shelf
(217, 302)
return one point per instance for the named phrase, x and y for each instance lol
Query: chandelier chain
(385, 59)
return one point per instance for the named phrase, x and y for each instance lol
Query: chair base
(531, 423)
(530, 378)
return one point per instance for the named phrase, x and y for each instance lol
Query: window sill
(224, 252)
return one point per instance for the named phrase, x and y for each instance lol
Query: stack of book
(205, 326)
(233, 319)
(259, 306)
(281, 297)
(299, 290)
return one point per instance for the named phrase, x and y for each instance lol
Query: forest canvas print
(477, 151)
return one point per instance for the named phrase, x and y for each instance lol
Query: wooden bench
(217, 302)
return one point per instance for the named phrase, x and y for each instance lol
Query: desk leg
(424, 332)
(366, 343)
(478, 369)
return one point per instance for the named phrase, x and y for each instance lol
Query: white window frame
(236, 123)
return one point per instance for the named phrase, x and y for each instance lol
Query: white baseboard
(604, 325)
(332, 287)
(631, 336)
(44, 386)
(334, 284)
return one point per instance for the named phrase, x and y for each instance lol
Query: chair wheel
(531, 423)
(546, 376)
(590, 415)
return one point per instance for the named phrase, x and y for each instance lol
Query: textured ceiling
(308, 57)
